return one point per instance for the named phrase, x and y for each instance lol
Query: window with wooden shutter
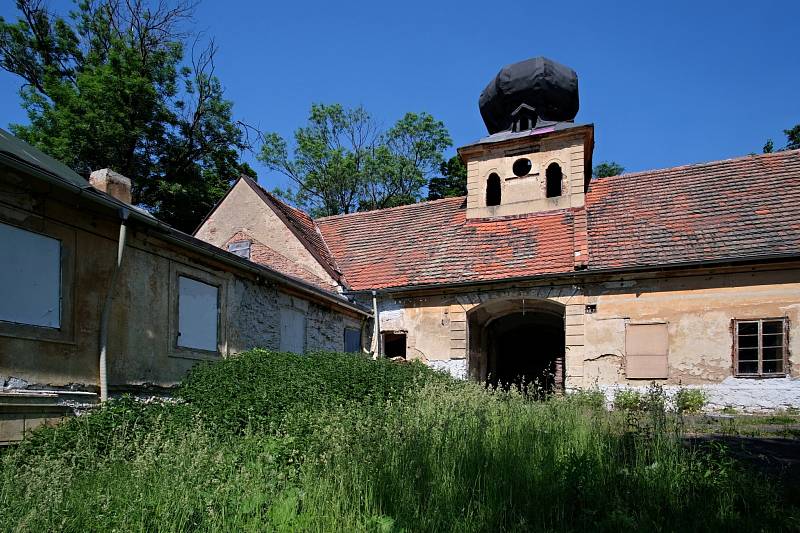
(646, 351)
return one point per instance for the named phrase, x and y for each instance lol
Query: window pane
(772, 353)
(748, 341)
(197, 314)
(772, 326)
(748, 328)
(773, 367)
(748, 367)
(749, 354)
(30, 278)
(772, 340)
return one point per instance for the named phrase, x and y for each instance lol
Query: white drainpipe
(106, 316)
(377, 326)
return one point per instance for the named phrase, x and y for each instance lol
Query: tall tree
(343, 161)
(452, 182)
(108, 86)
(792, 140)
(606, 169)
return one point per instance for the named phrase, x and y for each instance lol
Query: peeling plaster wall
(698, 311)
(142, 326)
(697, 308)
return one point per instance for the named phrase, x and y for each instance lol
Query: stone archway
(518, 342)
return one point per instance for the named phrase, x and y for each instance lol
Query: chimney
(111, 183)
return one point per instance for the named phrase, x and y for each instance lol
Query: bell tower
(535, 158)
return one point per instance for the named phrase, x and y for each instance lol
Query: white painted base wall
(455, 367)
(747, 395)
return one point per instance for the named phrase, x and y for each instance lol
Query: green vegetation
(690, 400)
(332, 442)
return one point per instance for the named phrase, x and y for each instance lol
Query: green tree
(606, 169)
(451, 183)
(108, 86)
(792, 140)
(343, 161)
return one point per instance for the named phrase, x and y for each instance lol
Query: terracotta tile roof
(431, 242)
(264, 255)
(302, 225)
(723, 210)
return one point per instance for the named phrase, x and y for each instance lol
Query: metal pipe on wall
(377, 325)
(106, 316)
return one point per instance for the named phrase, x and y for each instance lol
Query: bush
(628, 400)
(256, 389)
(593, 399)
(690, 400)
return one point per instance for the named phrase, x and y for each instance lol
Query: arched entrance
(518, 342)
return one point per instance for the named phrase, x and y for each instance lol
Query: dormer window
(493, 190)
(553, 175)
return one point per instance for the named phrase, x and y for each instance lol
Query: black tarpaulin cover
(549, 87)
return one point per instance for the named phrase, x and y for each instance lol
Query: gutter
(185, 241)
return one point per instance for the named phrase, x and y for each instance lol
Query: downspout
(106, 316)
(377, 325)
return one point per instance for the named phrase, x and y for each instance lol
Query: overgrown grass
(338, 443)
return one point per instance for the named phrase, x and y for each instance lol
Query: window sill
(760, 376)
(196, 355)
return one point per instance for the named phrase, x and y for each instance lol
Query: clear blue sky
(664, 84)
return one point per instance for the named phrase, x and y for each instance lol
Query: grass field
(332, 442)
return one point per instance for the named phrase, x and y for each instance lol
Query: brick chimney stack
(112, 183)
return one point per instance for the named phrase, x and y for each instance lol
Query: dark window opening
(522, 167)
(493, 190)
(394, 345)
(760, 347)
(553, 175)
(352, 340)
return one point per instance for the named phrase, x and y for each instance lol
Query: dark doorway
(526, 350)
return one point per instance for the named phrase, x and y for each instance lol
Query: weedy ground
(335, 442)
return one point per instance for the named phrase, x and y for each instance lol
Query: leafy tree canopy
(108, 86)
(343, 161)
(792, 140)
(452, 182)
(606, 169)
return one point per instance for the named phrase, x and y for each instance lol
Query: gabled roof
(432, 242)
(302, 226)
(745, 209)
(748, 207)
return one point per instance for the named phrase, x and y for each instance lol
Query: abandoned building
(99, 297)
(686, 276)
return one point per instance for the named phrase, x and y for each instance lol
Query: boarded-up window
(760, 348)
(293, 330)
(352, 340)
(198, 314)
(646, 350)
(30, 278)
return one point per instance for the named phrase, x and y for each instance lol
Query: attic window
(493, 190)
(553, 175)
(240, 248)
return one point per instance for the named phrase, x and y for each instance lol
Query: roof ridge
(779, 153)
(394, 208)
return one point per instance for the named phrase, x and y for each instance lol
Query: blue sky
(665, 84)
